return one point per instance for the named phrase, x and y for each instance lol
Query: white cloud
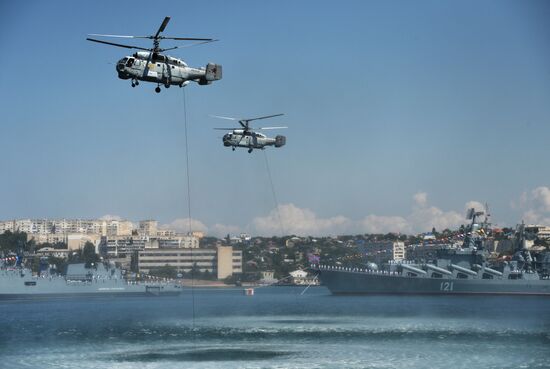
(301, 221)
(384, 224)
(426, 218)
(421, 219)
(421, 198)
(181, 225)
(110, 217)
(221, 230)
(541, 196)
(290, 219)
(474, 204)
(535, 205)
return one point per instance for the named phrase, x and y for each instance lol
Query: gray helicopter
(151, 66)
(247, 137)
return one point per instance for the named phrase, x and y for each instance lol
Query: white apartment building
(82, 226)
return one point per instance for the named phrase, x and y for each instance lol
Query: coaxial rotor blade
(183, 46)
(119, 45)
(187, 38)
(226, 129)
(222, 117)
(264, 117)
(119, 36)
(162, 26)
(272, 128)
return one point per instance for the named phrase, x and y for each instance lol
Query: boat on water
(17, 282)
(453, 271)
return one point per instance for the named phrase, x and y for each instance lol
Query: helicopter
(151, 66)
(248, 138)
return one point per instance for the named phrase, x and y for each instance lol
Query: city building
(300, 277)
(121, 246)
(223, 261)
(50, 251)
(540, 231)
(383, 250)
(148, 227)
(101, 227)
(268, 277)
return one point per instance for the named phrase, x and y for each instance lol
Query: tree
(15, 242)
(134, 266)
(88, 254)
(167, 271)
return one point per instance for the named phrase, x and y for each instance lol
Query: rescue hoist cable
(189, 211)
(274, 194)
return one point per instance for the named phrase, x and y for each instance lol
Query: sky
(401, 115)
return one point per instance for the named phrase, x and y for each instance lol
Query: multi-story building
(49, 226)
(384, 250)
(148, 227)
(223, 261)
(7, 226)
(55, 226)
(540, 231)
(120, 246)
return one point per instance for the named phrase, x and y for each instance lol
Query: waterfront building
(300, 277)
(268, 277)
(50, 251)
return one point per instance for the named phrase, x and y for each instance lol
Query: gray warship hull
(343, 282)
(21, 284)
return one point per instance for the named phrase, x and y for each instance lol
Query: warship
(453, 271)
(18, 282)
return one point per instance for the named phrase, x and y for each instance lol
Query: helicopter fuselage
(166, 70)
(251, 140)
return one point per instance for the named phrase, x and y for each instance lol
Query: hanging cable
(189, 211)
(274, 194)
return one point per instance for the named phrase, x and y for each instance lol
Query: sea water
(278, 327)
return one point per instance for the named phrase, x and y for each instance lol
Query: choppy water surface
(277, 328)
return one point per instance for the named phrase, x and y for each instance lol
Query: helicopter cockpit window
(130, 62)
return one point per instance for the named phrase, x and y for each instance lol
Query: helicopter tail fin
(213, 72)
(280, 141)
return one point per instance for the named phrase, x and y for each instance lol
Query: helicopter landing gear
(233, 148)
(157, 90)
(249, 151)
(135, 82)
(166, 86)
